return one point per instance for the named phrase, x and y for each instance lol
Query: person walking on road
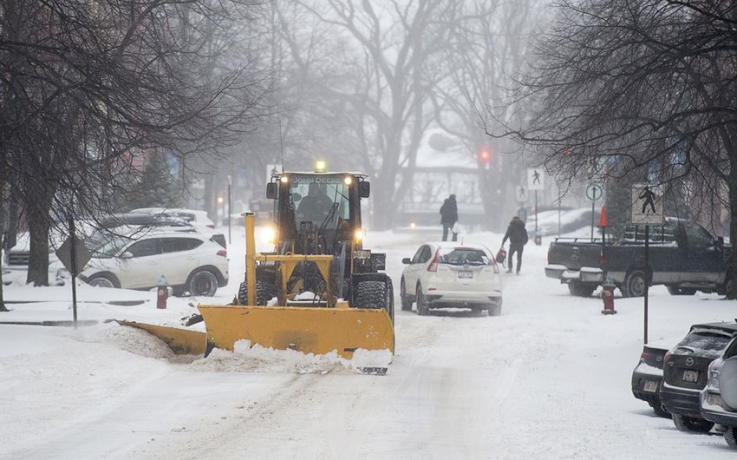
(517, 236)
(449, 217)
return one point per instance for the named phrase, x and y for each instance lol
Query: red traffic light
(484, 156)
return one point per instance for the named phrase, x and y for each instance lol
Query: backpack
(525, 238)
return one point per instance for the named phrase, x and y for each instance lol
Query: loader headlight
(269, 235)
(284, 179)
(348, 180)
(360, 234)
(321, 166)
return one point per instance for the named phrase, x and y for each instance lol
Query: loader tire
(375, 295)
(265, 290)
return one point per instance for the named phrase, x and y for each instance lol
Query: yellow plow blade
(181, 341)
(305, 329)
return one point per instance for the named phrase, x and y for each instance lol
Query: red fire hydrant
(607, 295)
(162, 292)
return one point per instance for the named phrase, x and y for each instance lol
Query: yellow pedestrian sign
(647, 204)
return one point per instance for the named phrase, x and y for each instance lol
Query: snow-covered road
(548, 379)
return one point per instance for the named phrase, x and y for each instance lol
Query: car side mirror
(406, 261)
(126, 255)
(364, 189)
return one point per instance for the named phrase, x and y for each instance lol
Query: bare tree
(89, 86)
(646, 85)
(375, 75)
(489, 43)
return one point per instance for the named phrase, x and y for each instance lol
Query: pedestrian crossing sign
(647, 204)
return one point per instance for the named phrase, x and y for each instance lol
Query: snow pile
(258, 359)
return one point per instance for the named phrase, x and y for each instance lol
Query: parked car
(191, 262)
(647, 377)
(554, 222)
(18, 257)
(685, 369)
(719, 396)
(682, 255)
(449, 274)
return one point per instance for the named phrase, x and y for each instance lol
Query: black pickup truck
(682, 255)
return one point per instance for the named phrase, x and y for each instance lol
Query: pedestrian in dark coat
(449, 217)
(517, 236)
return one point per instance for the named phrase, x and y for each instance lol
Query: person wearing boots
(449, 216)
(517, 236)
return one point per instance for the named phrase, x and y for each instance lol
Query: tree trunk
(38, 230)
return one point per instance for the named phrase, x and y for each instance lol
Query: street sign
(520, 193)
(81, 255)
(594, 192)
(535, 179)
(647, 204)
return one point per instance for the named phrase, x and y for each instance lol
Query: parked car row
(695, 381)
(134, 250)
(451, 275)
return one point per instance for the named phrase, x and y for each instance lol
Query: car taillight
(666, 358)
(222, 253)
(211, 226)
(433, 267)
(548, 255)
(644, 356)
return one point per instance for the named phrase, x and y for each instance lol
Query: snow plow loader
(319, 290)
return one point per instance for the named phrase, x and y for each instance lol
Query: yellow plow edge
(181, 341)
(305, 329)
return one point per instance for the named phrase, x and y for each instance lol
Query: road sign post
(647, 209)
(535, 181)
(594, 192)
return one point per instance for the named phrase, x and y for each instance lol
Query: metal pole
(229, 211)
(592, 221)
(647, 275)
(74, 269)
(535, 213)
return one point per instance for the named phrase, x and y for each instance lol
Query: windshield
(464, 256)
(111, 248)
(319, 199)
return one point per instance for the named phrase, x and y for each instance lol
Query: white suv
(191, 262)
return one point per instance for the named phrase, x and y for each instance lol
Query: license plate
(690, 376)
(651, 387)
(465, 275)
(361, 254)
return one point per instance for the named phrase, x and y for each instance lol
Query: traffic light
(484, 156)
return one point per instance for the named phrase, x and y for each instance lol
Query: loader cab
(324, 204)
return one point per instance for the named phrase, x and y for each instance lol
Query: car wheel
(406, 303)
(105, 281)
(422, 308)
(580, 290)
(729, 288)
(691, 424)
(659, 410)
(731, 436)
(634, 284)
(203, 283)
